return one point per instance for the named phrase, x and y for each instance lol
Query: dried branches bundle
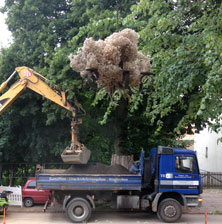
(112, 63)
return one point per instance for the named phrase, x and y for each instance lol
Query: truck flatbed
(90, 177)
(89, 181)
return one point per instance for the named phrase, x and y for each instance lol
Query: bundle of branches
(113, 63)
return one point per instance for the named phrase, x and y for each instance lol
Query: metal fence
(211, 179)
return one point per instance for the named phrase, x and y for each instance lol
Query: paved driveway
(212, 201)
(104, 218)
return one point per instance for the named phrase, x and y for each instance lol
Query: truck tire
(78, 210)
(28, 202)
(169, 210)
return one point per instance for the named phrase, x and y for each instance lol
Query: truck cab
(176, 179)
(176, 170)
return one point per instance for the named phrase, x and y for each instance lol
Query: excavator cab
(77, 153)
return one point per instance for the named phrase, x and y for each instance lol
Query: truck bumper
(188, 201)
(192, 201)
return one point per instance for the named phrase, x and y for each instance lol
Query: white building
(209, 150)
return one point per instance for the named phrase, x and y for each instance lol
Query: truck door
(166, 165)
(186, 174)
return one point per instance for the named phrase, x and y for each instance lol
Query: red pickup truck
(31, 196)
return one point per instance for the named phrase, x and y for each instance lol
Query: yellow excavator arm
(77, 152)
(36, 82)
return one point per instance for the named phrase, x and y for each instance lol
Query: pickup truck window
(185, 164)
(32, 185)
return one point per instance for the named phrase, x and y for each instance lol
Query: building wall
(209, 152)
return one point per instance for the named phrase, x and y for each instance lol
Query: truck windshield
(185, 164)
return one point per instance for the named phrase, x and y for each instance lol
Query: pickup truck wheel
(169, 210)
(78, 210)
(28, 202)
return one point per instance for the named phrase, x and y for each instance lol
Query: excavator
(76, 153)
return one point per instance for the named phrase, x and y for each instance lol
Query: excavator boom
(77, 153)
(37, 83)
(10, 96)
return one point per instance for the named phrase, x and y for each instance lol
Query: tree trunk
(120, 128)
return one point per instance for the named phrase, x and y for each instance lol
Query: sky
(5, 35)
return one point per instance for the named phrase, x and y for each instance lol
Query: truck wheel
(28, 202)
(169, 210)
(78, 210)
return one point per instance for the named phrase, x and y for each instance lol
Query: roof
(184, 151)
(176, 151)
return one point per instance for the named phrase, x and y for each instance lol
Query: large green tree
(183, 38)
(34, 130)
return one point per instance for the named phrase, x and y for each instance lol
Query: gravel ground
(105, 218)
(212, 202)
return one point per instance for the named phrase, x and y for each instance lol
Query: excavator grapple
(76, 157)
(77, 153)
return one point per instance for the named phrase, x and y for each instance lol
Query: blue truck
(164, 183)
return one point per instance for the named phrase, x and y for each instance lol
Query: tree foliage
(35, 130)
(183, 38)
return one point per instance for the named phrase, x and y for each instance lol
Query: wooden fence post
(208, 179)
